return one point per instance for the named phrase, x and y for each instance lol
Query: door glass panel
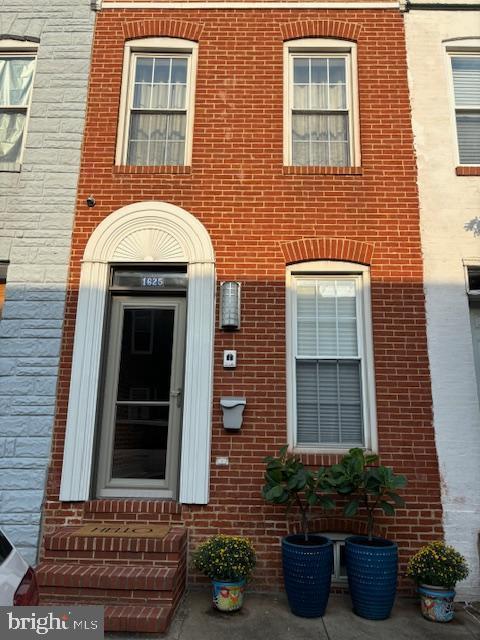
(146, 355)
(140, 446)
(143, 394)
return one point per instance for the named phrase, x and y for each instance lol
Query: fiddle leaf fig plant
(369, 486)
(288, 482)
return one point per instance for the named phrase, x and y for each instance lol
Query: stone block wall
(36, 215)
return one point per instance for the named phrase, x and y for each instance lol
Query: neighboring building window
(466, 87)
(473, 292)
(3, 284)
(16, 80)
(156, 120)
(331, 389)
(321, 103)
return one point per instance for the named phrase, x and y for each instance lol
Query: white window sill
(319, 450)
(10, 167)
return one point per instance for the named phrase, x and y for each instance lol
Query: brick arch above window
(165, 28)
(325, 248)
(320, 29)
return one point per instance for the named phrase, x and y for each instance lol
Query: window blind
(328, 364)
(466, 84)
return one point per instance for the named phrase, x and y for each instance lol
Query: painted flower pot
(228, 595)
(307, 572)
(372, 575)
(437, 603)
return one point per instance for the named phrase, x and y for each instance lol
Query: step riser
(110, 576)
(143, 518)
(150, 508)
(94, 596)
(106, 557)
(114, 545)
(85, 593)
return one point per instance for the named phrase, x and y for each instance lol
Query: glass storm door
(140, 428)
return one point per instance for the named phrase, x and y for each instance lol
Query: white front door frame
(144, 232)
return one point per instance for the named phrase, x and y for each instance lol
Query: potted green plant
(371, 562)
(228, 561)
(307, 558)
(436, 569)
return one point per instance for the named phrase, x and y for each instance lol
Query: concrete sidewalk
(267, 617)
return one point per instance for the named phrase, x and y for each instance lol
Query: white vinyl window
(466, 87)
(320, 96)
(158, 96)
(331, 399)
(16, 81)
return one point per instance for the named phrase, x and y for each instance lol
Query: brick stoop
(140, 581)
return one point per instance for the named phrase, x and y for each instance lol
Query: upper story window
(331, 401)
(321, 105)
(156, 119)
(17, 66)
(465, 63)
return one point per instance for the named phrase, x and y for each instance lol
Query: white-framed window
(321, 103)
(157, 102)
(465, 72)
(339, 569)
(17, 70)
(330, 377)
(471, 268)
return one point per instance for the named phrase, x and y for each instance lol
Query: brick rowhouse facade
(261, 217)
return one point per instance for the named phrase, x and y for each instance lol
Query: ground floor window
(331, 387)
(473, 290)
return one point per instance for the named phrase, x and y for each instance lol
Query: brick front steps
(140, 581)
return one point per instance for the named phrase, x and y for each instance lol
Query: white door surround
(146, 232)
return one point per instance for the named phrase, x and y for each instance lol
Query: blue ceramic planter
(437, 603)
(372, 576)
(307, 572)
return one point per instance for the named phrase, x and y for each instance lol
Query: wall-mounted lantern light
(230, 305)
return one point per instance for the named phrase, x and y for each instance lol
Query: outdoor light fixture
(230, 305)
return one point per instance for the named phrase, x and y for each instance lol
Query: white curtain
(16, 76)
(11, 136)
(157, 139)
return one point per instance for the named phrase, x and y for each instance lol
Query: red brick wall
(257, 212)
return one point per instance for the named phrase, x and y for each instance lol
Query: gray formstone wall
(36, 215)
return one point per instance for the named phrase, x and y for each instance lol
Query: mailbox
(232, 412)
